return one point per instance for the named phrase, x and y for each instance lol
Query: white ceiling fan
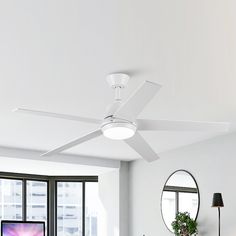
(120, 119)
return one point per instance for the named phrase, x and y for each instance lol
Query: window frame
(176, 190)
(51, 195)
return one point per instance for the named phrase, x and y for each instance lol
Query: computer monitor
(22, 228)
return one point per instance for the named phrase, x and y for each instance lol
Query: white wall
(212, 163)
(113, 193)
(108, 219)
(124, 199)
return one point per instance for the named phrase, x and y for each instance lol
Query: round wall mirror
(180, 194)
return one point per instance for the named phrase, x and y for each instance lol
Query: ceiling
(49, 168)
(55, 55)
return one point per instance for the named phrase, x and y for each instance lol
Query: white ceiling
(49, 168)
(55, 54)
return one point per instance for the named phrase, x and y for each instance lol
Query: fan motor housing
(117, 80)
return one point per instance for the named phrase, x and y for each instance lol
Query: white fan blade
(130, 109)
(170, 125)
(142, 147)
(57, 115)
(75, 142)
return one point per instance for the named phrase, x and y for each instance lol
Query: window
(188, 201)
(168, 207)
(91, 208)
(69, 208)
(178, 199)
(10, 199)
(36, 197)
(68, 203)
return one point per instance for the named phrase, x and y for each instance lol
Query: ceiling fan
(120, 121)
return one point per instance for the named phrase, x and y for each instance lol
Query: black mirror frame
(163, 190)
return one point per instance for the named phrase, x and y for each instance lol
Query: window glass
(36, 201)
(188, 201)
(168, 207)
(91, 208)
(69, 209)
(10, 199)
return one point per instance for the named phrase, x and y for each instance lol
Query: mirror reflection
(180, 194)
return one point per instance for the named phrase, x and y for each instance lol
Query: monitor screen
(22, 228)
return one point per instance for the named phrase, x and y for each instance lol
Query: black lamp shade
(217, 200)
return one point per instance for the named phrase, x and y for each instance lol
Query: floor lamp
(218, 202)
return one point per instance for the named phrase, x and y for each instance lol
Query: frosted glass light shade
(118, 131)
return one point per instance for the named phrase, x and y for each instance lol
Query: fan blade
(57, 115)
(142, 147)
(75, 142)
(137, 101)
(170, 125)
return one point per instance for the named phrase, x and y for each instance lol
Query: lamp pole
(218, 202)
(219, 220)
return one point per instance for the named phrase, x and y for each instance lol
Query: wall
(113, 193)
(124, 199)
(108, 218)
(212, 163)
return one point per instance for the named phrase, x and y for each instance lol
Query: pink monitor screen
(14, 228)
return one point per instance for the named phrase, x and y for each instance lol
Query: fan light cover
(118, 131)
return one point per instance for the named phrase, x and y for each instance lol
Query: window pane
(91, 208)
(10, 199)
(36, 201)
(188, 202)
(69, 209)
(168, 207)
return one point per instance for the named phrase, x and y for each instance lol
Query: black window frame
(51, 195)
